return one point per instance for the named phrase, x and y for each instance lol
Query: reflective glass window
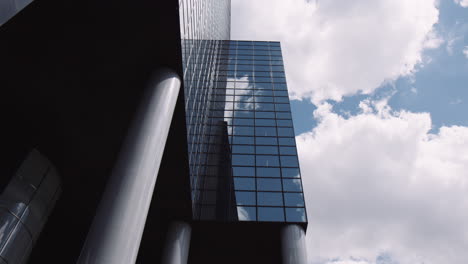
(267, 161)
(264, 99)
(292, 185)
(243, 160)
(243, 140)
(284, 123)
(265, 131)
(247, 184)
(289, 161)
(266, 141)
(285, 132)
(245, 198)
(265, 114)
(265, 122)
(244, 114)
(281, 93)
(293, 199)
(270, 198)
(282, 107)
(246, 213)
(243, 131)
(266, 150)
(286, 141)
(243, 122)
(268, 172)
(283, 115)
(288, 151)
(268, 184)
(263, 86)
(295, 215)
(263, 93)
(243, 149)
(270, 214)
(290, 172)
(264, 107)
(243, 171)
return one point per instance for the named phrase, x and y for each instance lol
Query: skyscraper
(208, 172)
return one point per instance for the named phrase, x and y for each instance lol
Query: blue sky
(380, 91)
(439, 87)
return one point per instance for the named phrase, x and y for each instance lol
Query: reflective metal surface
(176, 249)
(25, 205)
(9, 8)
(117, 228)
(293, 245)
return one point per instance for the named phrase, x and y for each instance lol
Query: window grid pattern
(242, 150)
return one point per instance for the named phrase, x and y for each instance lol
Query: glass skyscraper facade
(242, 151)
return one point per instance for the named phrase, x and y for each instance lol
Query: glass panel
(268, 184)
(273, 214)
(289, 161)
(245, 198)
(268, 172)
(281, 99)
(282, 107)
(290, 172)
(267, 161)
(264, 86)
(243, 149)
(247, 184)
(246, 213)
(265, 114)
(284, 123)
(287, 141)
(285, 132)
(283, 115)
(265, 122)
(266, 141)
(244, 114)
(265, 131)
(243, 140)
(266, 150)
(264, 107)
(270, 198)
(281, 93)
(243, 171)
(288, 151)
(295, 215)
(264, 99)
(263, 93)
(243, 160)
(243, 131)
(293, 199)
(292, 185)
(243, 122)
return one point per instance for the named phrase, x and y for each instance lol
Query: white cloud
(463, 3)
(334, 48)
(379, 182)
(465, 51)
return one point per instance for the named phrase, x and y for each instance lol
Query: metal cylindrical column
(117, 228)
(293, 245)
(177, 245)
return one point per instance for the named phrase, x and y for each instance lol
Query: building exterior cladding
(241, 137)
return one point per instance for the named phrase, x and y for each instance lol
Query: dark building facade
(146, 172)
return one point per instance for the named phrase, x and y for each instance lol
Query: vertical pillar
(293, 245)
(176, 249)
(118, 225)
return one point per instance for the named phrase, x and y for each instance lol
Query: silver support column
(117, 228)
(176, 249)
(293, 245)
